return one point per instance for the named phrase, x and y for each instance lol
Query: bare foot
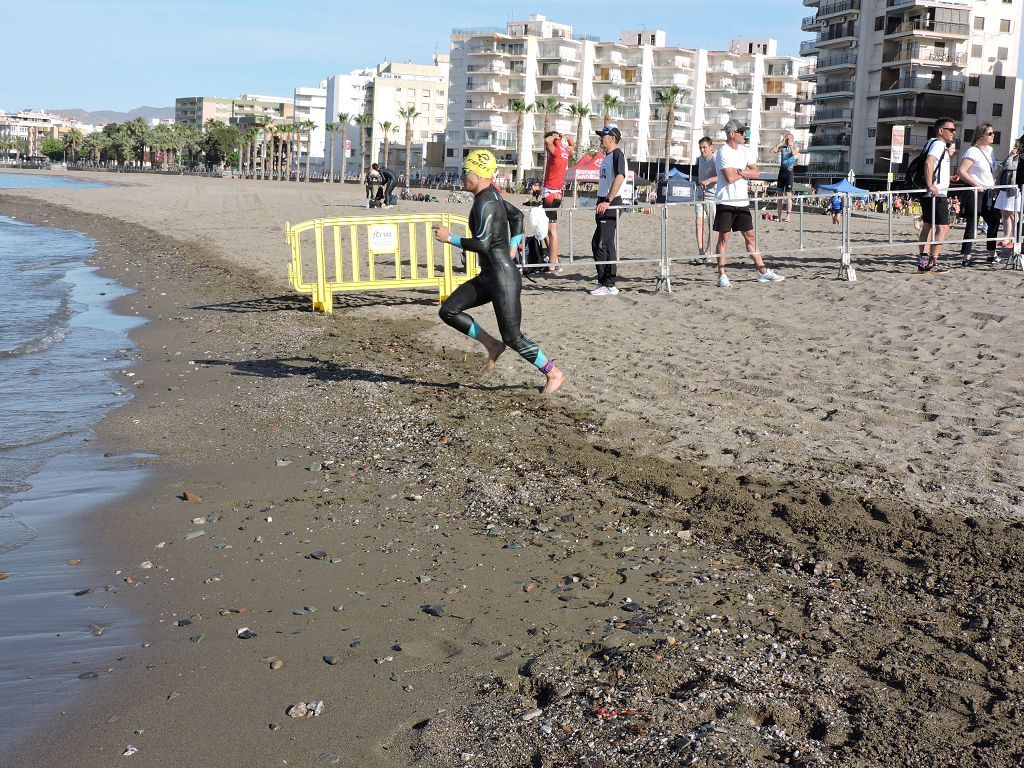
(494, 349)
(555, 379)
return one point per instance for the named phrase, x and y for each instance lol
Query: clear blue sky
(121, 54)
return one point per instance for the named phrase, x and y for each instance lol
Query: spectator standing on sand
(558, 148)
(788, 151)
(979, 169)
(610, 180)
(934, 206)
(736, 164)
(1008, 201)
(707, 177)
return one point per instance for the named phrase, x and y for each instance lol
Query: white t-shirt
(940, 178)
(734, 194)
(706, 170)
(982, 168)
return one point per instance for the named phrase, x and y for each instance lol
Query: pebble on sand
(191, 498)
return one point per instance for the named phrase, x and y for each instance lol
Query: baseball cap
(610, 130)
(482, 163)
(735, 125)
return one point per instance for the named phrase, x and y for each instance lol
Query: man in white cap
(736, 164)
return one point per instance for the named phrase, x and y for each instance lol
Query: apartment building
(618, 82)
(310, 105)
(27, 129)
(884, 63)
(243, 111)
(398, 86)
(346, 94)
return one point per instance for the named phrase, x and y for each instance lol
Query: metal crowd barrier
(353, 263)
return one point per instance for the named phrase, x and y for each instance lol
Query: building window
(869, 162)
(998, 137)
(1001, 81)
(1005, 26)
(979, 23)
(879, 23)
(974, 80)
(450, 152)
(997, 110)
(872, 132)
(968, 135)
(976, 51)
(972, 107)
(1003, 53)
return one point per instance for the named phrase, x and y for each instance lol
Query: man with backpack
(935, 169)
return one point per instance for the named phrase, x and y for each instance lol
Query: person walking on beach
(389, 181)
(496, 226)
(610, 181)
(736, 164)
(558, 148)
(788, 151)
(977, 169)
(707, 176)
(836, 206)
(934, 206)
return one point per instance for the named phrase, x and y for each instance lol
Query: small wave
(31, 443)
(14, 534)
(57, 330)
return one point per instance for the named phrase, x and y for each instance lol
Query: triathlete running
(499, 281)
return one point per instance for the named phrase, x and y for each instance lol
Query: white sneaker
(769, 277)
(612, 290)
(723, 282)
(602, 290)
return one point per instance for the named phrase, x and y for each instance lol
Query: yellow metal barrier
(343, 255)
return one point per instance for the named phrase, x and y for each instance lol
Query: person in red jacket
(559, 149)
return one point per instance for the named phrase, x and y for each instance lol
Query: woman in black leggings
(500, 281)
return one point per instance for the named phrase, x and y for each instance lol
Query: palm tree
(365, 122)
(521, 108)
(408, 114)
(344, 118)
(579, 111)
(610, 104)
(668, 99)
(263, 126)
(387, 127)
(549, 106)
(331, 128)
(72, 141)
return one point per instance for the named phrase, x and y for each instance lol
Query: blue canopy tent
(679, 189)
(844, 187)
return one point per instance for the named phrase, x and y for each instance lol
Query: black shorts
(551, 205)
(785, 180)
(731, 219)
(941, 211)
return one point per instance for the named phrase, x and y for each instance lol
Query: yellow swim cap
(481, 162)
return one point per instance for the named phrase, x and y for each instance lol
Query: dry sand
(776, 523)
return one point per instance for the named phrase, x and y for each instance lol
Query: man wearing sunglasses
(934, 205)
(736, 164)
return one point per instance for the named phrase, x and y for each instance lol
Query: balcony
(931, 55)
(489, 139)
(561, 53)
(920, 112)
(808, 47)
(958, 4)
(673, 62)
(908, 84)
(497, 68)
(830, 140)
(562, 73)
(683, 81)
(483, 86)
(485, 106)
(810, 24)
(835, 87)
(929, 28)
(837, 62)
(840, 114)
(836, 8)
(808, 71)
(827, 168)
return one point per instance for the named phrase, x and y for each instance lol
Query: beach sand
(756, 522)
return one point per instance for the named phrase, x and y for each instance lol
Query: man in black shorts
(736, 164)
(934, 204)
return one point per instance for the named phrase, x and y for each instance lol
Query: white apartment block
(346, 94)
(29, 127)
(398, 86)
(883, 63)
(310, 105)
(537, 59)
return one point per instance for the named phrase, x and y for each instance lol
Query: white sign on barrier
(383, 238)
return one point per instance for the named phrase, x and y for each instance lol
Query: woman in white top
(1008, 201)
(978, 169)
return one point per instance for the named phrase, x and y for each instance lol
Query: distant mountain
(102, 117)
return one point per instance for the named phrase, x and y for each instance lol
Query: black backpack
(914, 177)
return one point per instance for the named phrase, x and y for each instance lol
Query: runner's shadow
(287, 302)
(327, 370)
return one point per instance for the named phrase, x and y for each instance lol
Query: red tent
(587, 169)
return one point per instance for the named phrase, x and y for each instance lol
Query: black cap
(610, 130)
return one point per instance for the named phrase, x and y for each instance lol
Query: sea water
(30, 180)
(60, 344)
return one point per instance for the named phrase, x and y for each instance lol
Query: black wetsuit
(499, 281)
(389, 184)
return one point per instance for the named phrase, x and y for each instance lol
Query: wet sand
(774, 520)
